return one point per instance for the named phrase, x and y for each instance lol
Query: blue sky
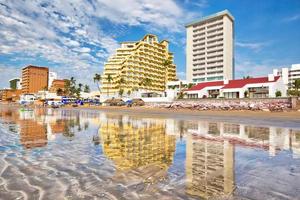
(74, 38)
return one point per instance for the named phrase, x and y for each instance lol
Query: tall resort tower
(209, 48)
(140, 65)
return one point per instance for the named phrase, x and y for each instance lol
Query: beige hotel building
(209, 48)
(136, 61)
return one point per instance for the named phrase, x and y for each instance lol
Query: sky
(75, 37)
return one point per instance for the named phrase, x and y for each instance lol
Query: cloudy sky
(75, 37)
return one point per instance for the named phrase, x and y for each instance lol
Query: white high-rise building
(52, 77)
(289, 75)
(210, 49)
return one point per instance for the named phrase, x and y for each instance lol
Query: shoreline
(289, 119)
(282, 119)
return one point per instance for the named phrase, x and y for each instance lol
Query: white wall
(189, 53)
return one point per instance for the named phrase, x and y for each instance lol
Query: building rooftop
(218, 14)
(239, 83)
(200, 86)
(33, 66)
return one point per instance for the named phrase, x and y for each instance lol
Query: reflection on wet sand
(210, 153)
(139, 153)
(140, 148)
(32, 134)
(133, 143)
(209, 167)
(272, 139)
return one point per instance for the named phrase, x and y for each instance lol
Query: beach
(284, 119)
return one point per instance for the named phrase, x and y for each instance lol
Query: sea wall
(264, 104)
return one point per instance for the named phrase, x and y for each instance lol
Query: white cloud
(247, 66)
(70, 33)
(256, 46)
(292, 18)
(197, 3)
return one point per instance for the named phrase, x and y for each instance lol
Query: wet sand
(289, 119)
(288, 115)
(286, 119)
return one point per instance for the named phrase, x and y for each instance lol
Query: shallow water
(67, 154)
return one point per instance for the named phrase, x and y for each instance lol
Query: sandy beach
(281, 117)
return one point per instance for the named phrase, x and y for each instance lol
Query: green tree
(294, 91)
(190, 85)
(166, 64)
(86, 89)
(67, 87)
(109, 79)
(246, 94)
(146, 82)
(296, 85)
(128, 92)
(247, 77)
(97, 78)
(121, 91)
(59, 92)
(278, 93)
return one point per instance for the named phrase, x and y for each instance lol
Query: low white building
(52, 76)
(289, 75)
(261, 87)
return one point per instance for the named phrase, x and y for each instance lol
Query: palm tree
(80, 86)
(146, 82)
(166, 65)
(59, 92)
(121, 82)
(128, 92)
(97, 79)
(121, 91)
(109, 79)
(72, 80)
(296, 86)
(86, 89)
(247, 77)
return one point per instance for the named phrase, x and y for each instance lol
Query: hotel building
(34, 79)
(209, 48)
(135, 62)
(57, 84)
(289, 75)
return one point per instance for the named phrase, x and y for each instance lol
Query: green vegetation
(246, 93)
(97, 78)
(121, 91)
(109, 79)
(72, 89)
(295, 88)
(278, 93)
(166, 64)
(87, 89)
(146, 82)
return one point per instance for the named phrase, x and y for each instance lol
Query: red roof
(242, 82)
(200, 86)
(239, 83)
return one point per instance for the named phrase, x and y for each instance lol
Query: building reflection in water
(36, 127)
(134, 142)
(210, 153)
(272, 139)
(32, 134)
(209, 167)
(143, 148)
